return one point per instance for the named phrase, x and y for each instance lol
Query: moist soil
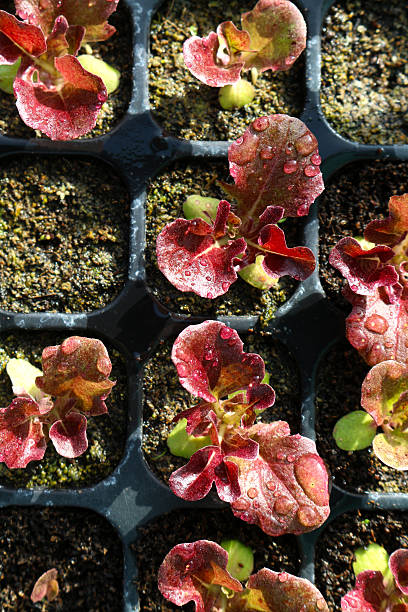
(63, 234)
(164, 397)
(338, 392)
(355, 195)
(116, 51)
(83, 547)
(338, 542)
(364, 91)
(165, 199)
(187, 108)
(106, 433)
(159, 536)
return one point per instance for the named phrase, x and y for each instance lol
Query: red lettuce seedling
(46, 587)
(275, 166)
(197, 572)
(273, 37)
(381, 591)
(76, 375)
(270, 478)
(54, 93)
(377, 328)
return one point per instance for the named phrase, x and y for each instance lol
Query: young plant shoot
(273, 36)
(200, 572)
(270, 478)
(56, 91)
(381, 581)
(46, 587)
(275, 167)
(54, 403)
(377, 327)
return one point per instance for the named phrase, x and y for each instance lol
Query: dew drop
(239, 140)
(302, 210)
(187, 273)
(225, 286)
(283, 505)
(208, 278)
(307, 516)
(376, 323)
(203, 262)
(306, 144)
(209, 295)
(271, 485)
(241, 504)
(316, 159)
(291, 458)
(283, 576)
(226, 332)
(290, 166)
(376, 354)
(290, 149)
(311, 170)
(267, 153)
(320, 604)
(260, 124)
(208, 353)
(289, 60)
(215, 362)
(311, 474)
(252, 493)
(280, 455)
(358, 339)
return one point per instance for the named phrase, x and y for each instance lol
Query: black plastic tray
(307, 324)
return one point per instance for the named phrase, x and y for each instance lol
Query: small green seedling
(240, 559)
(355, 431)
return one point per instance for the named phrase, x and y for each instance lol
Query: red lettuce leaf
(201, 420)
(280, 260)
(18, 39)
(378, 327)
(78, 369)
(399, 567)
(46, 586)
(364, 270)
(64, 113)
(69, 435)
(367, 596)
(192, 259)
(188, 568)
(391, 230)
(277, 33)
(21, 433)
(211, 363)
(281, 591)
(286, 488)
(274, 163)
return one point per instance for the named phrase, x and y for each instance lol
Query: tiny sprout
(355, 431)
(46, 587)
(237, 95)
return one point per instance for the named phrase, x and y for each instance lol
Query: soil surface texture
(63, 234)
(187, 108)
(166, 196)
(364, 91)
(106, 433)
(164, 397)
(83, 547)
(159, 536)
(338, 542)
(116, 51)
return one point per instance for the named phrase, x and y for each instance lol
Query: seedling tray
(307, 324)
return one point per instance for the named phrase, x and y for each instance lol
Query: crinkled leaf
(281, 591)
(286, 488)
(69, 435)
(188, 568)
(211, 363)
(367, 596)
(78, 368)
(377, 327)
(390, 231)
(392, 449)
(280, 260)
(194, 480)
(275, 162)
(21, 434)
(62, 114)
(232, 43)
(201, 419)
(399, 569)
(200, 57)
(277, 32)
(384, 394)
(192, 259)
(18, 38)
(46, 586)
(364, 270)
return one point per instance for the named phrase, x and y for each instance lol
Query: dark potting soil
(165, 199)
(106, 433)
(158, 537)
(187, 108)
(164, 397)
(116, 51)
(63, 234)
(83, 547)
(338, 392)
(339, 540)
(364, 91)
(354, 196)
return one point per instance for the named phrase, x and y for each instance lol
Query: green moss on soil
(164, 397)
(165, 199)
(365, 70)
(63, 234)
(116, 51)
(106, 433)
(187, 108)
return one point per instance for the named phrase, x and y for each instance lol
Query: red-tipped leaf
(21, 433)
(367, 596)
(18, 38)
(280, 260)
(69, 435)
(399, 567)
(391, 230)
